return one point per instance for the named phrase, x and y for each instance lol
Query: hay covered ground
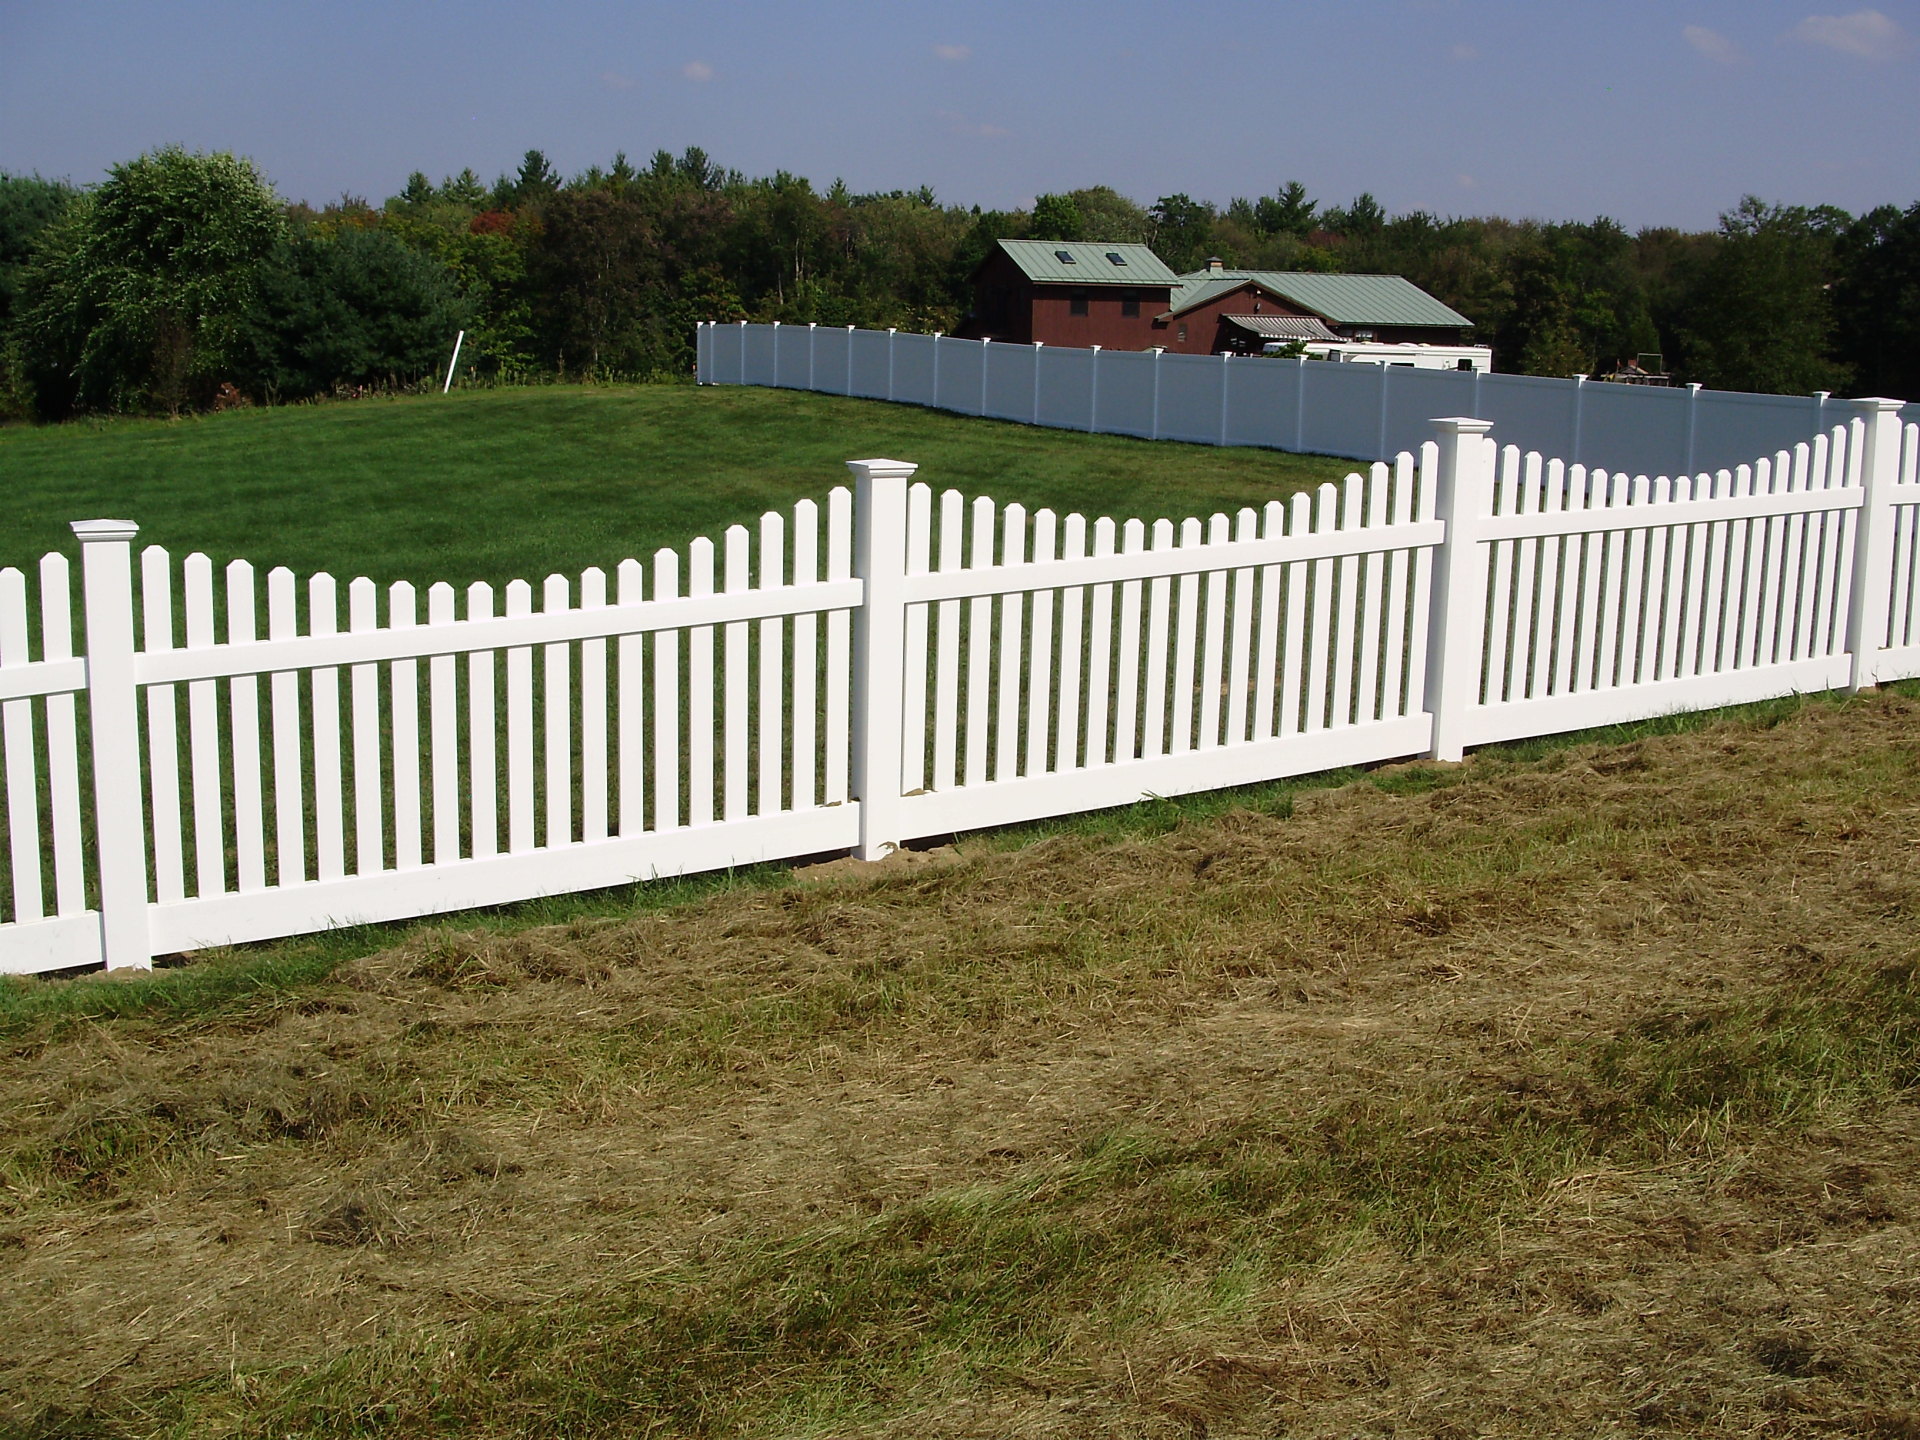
(1569, 1093)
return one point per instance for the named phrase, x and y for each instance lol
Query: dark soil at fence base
(1556, 1097)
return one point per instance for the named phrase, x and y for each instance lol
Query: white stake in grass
(453, 363)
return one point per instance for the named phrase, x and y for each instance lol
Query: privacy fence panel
(239, 755)
(1358, 411)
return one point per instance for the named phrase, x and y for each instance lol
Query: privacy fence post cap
(1462, 425)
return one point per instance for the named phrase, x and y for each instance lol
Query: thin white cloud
(954, 52)
(614, 80)
(697, 70)
(1466, 182)
(1712, 44)
(1464, 52)
(958, 124)
(1865, 33)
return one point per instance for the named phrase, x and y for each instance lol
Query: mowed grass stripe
(502, 484)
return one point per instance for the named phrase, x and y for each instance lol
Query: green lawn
(491, 485)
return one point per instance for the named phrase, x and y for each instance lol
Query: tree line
(182, 281)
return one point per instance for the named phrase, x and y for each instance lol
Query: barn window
(1130, 304)
(1182, 332)
(1077, 303)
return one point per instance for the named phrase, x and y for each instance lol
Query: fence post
(1873, 541)
(1463, 494)
(742, 335)
(936, 370)
(1154, 432)
(1693, 419)
(1380, 437)
(1093, 391)
(1224, 358)
(1038, 346)
(776, 354)
(1579, 416)
(891, 332)
(879, 649)
(813, 340)
(1300, 404)
(850, 334)
(119, 811)
(986, 349)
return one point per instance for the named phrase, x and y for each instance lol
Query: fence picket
(913, 708)
(1009, 643)
(329, 805)
(203, 728)
(666, 700)
(556, 702)
(1321, 600)
(979, 641)
(1073, 616)
(443, 733)
(1097, 748)
(1127, 674)
(630, 590)
(839, 696)
(1346, 610)
(773, 645)
(701, 759)
(946, 671)
(594, 786)
(163, 738)
(806, 627)
(1213, 642)
(369, 789)
(1040, 673)
(736, 719)
(1264, 679)
(17, 730)
(1153, 741)
(483, 758)
(243, 693)
(1292, 673)
(63, 748)
(403, 688)
(1240, 644)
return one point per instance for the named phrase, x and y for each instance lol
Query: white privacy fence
(1361, 412)
(893, 665)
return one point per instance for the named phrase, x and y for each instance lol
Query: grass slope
(494, 485)
(1564, 1092)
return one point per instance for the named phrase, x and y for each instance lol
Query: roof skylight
(1116, 258)
(1065, 257)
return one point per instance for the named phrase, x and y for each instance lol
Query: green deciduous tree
(1759, 315)
(137, 294)
(358, 308)
(1055, 217)
(1876, 301)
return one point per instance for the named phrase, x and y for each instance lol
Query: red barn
(1062, 292)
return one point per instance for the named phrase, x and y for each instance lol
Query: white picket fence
(1360, 412)
(890, 666)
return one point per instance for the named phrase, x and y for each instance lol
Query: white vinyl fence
(894, 665)
(1359, 412)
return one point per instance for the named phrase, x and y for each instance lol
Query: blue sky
(1651, 111)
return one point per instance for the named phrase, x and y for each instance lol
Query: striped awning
(1283, 327)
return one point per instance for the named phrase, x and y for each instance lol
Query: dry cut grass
(1568, 1096)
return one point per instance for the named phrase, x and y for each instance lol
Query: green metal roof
(1339, 299)
(1040, 262)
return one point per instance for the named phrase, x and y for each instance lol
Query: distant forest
(181, 281)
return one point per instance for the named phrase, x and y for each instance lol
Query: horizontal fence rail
(240, 756)
(1357, 411)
